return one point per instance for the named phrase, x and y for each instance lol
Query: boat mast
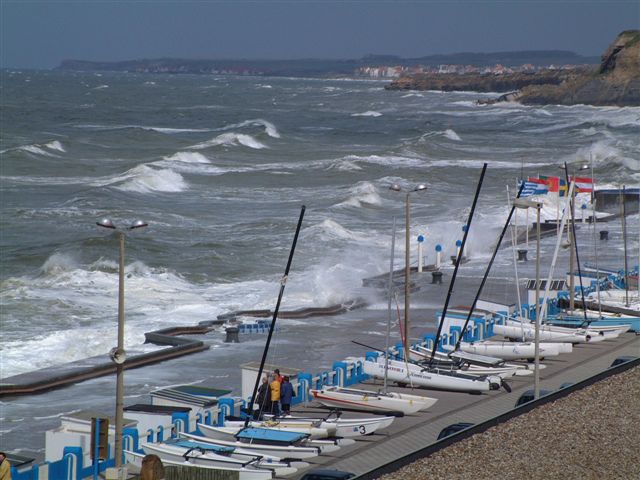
(458, 260)
(624, 242)
(283, 283)
(595, 243)
(386, 350)
(486, 273)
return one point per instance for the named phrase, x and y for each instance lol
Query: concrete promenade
(411, 433)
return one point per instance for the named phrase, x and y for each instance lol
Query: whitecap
(55, 145)
(101, 87)
(144, 179)
(36, 150)
(362, 194)
(188, 157)
(368, 113)
(451, 135)
(231, 139)
(269, 127)
(391, 160)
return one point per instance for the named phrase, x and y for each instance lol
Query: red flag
(583, 184)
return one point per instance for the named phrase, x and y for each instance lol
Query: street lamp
(526, 204)
(117, 354)
(397, 188)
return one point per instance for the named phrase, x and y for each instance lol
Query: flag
(583, 184)
(556, 184)
(533, 187)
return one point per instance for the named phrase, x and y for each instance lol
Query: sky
(40, 34)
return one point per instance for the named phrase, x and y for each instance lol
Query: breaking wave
(362, 194)
(229, 140)
(145, 179)
(451, 135)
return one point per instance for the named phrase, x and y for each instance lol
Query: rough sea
(219, 168)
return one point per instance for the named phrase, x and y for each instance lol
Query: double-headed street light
(407, 269)
(526, 204)
(117, 354)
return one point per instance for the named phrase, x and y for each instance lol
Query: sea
(219, 168)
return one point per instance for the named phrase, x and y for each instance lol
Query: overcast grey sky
(39, 34)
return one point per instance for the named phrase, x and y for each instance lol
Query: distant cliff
(616, 82)
(449, 82)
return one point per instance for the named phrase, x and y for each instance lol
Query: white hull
(313, 429)
(286, 451)
(371, 401)
(135, 459)
(477, 370)
(513, 350)
(383, 422)
(517, 330)
(398, 372)
(177, 454)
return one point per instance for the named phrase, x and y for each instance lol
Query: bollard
(522, 255)
(436, 278)
(233, 335)
(583, 209)
(454, 258)
(604, 234)
(438, 256)
(420, 241)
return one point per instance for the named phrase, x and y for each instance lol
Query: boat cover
(270, 435)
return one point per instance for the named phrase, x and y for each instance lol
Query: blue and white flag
(533, 188)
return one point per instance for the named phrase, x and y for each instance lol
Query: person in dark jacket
(286, 394)
(263, 399)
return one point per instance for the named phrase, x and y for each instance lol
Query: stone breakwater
(590, 434)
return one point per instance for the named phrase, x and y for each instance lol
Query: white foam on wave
(231, 139)
(602, 153)
(269, 127)
(101, 87)
(167, 130)
(390, 160)
(39, 149)
(55, 145)
(409, 95)
(188, 157)
(368, 113)
(344, 166)
(451, 135)
(362, 194)
(144, 179)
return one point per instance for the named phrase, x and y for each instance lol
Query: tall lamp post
(526, 204)
(407, 269)
(117, 354)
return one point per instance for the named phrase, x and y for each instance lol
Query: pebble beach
(590, 434)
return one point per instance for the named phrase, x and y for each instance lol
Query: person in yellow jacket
(5, 467)
(275, 395)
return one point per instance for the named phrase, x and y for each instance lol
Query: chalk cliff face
(616, 82)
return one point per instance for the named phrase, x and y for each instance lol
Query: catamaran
(356, 399)
(244, 473)
(202, 454)
(431, 377)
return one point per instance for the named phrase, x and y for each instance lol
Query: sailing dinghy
(355, 399)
